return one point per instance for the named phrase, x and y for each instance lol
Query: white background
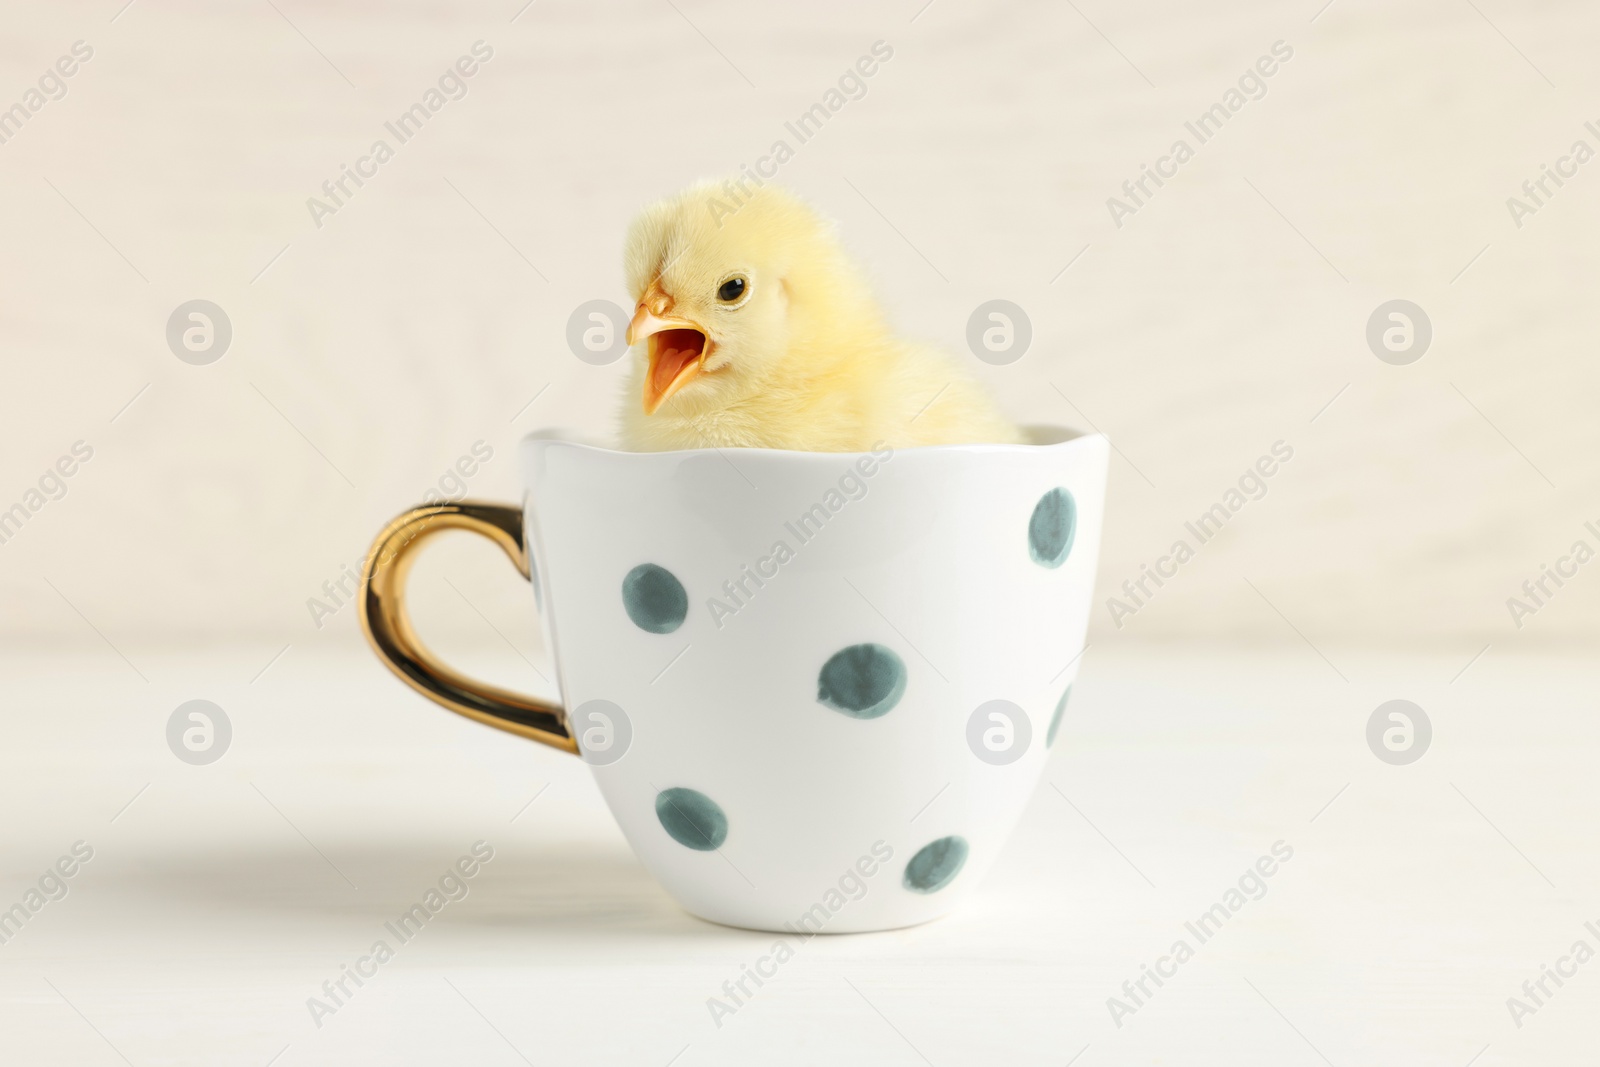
(372, 352)
(1202, 331)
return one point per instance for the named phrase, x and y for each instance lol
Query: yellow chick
(758, 331)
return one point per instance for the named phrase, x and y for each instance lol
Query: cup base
(841, 925)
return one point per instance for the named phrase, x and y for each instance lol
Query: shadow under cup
(816, 689)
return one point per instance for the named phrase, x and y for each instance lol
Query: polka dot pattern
(1052, 528)
(692, 819)
(654, 599)
(936, 864)
(862, 681)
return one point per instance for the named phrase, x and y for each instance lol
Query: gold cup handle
(388, 626)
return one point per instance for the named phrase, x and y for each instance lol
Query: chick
(759, 332)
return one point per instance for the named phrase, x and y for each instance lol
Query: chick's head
(724, 279)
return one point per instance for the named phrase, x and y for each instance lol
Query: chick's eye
(730, 290)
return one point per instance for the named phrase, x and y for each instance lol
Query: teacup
(816, 689)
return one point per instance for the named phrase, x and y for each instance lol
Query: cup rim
(1044, 437)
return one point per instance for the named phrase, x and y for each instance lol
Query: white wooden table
(220, 898)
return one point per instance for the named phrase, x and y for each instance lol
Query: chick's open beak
(678, 351)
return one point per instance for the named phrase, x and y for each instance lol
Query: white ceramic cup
(816, 689)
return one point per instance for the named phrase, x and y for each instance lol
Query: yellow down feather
(806, 360)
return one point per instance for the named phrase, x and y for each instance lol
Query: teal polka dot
(654, 598)
(1052, 528)
(936, 864)
(692, 818)
(1055, 720)
(862, 681)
